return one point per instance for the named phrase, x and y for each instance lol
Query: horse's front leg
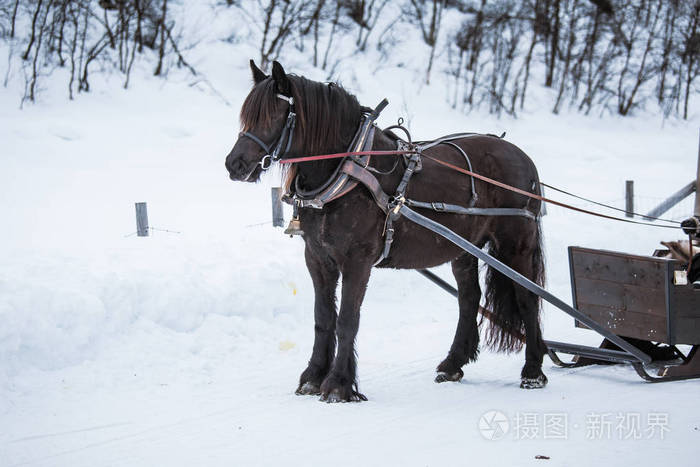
(341, 383)
(324, 274)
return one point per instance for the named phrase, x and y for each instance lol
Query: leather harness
(354, 170)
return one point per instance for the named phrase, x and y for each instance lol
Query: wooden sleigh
(642, 300)
(634, 302)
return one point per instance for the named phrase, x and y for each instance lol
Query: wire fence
(642, 204)
(153, 229)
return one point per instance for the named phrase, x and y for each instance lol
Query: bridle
(275, 151)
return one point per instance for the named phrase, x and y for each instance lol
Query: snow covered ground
(185, 348)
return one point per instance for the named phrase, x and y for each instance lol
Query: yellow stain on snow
(293, 287)
(287, 345)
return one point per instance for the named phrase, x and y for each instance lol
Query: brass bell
(294, 228)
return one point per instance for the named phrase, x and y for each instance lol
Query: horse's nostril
(228, 162)
(231, 163)
(236, 167)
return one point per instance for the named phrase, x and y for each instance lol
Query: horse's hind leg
(531, 376)
(465, 347)
(530, 262)
(515, 308)
(324, 274)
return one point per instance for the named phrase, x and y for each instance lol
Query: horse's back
(490, 156)
(499, 158)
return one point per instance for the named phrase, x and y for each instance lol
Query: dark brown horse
(345, 237)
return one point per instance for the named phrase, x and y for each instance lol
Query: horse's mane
(327, 115)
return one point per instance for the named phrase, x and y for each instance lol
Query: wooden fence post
(277, 213)
(141, 220)
(629, 198)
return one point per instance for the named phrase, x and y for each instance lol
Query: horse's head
(287, 115)
(268, 121)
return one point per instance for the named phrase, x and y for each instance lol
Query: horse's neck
(314, 174)
(317, 173)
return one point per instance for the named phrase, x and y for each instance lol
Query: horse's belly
(415, 247)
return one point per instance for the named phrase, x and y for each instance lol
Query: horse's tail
(507, 328)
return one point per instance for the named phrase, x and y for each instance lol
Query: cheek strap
(276, 153)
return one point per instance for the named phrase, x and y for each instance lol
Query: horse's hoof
(444, 377)
(333, 398)
(336, 396)
(533, 383)
(308, 389)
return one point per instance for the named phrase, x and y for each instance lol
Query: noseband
(284, 141)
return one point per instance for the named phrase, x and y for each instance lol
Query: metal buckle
(313, 203)
(437, 206)
(395, 206)
(265, 165)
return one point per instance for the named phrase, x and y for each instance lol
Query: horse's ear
(258, 74)
(281, 78)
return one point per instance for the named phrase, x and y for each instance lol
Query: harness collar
(340, 182)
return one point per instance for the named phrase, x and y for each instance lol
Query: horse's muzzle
(240, 170)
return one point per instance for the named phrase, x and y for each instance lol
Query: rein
(277, 152)
(472, 174)
(338, 155)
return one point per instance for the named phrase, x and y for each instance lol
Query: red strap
(342, 154)
(473, 174)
